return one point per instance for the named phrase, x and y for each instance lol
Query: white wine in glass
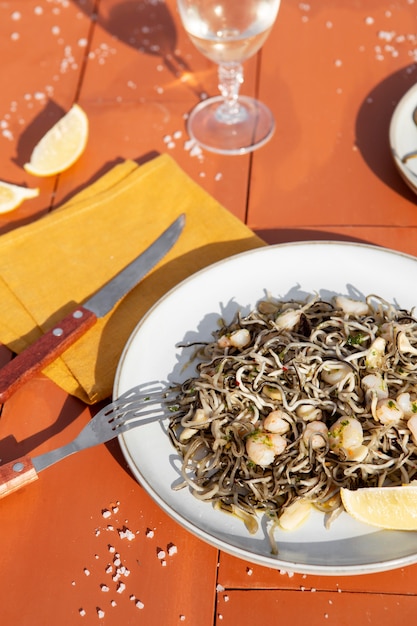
(228, 32)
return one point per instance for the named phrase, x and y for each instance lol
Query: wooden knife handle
(16, 474)
(45, 350)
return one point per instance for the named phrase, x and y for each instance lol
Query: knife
(56, 340)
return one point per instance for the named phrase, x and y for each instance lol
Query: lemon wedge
(61, 146)
(393, 508)
(12, 196)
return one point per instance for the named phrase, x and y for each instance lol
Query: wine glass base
(253, 129)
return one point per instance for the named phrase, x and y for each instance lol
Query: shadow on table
(11, 449)
(372, 127)
(147, 26)
(290, 235)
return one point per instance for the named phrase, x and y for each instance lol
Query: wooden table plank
(332, 75)
(314, 607)
(100, 543)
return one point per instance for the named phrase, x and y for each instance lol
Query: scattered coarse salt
(161, 554)
(73, 583)
(226, 598)
(369, 20)
(100, 613)
(106, 513)
(112, 549)
(81, 612)
(182, 618)
(14, 36)
(132, 597)
(86, 571)
(219, 588)
(55, 30)
(249, 571)
(109, 569)
(113, 603)
(82, 42)
(177, 134)
(220, 616)
(104, 588)
(16, 16)
(139, 604)
(38, 10)
(97, 532)
(150, 533)
(163, 563)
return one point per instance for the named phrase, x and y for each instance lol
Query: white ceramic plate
(403, 136)
(190, 312)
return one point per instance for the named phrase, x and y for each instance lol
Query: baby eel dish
(297, 400)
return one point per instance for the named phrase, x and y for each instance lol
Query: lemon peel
(392, 508)
(12, 196)
(61, 146)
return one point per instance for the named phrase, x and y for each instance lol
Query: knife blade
(76, 323)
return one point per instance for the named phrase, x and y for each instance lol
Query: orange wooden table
(332, 72)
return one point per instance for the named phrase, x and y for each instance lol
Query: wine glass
(228, 32)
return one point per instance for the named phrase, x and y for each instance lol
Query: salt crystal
(220, 616)
(38, 10)
(172, 549)
(219, 588)
(171, 145)
(82, 42)
(81, 612)
(218, 176)
(120, 587)
(150, 533)
(112, 549)
(86, 571)
(338, 63)
(177, 134)
(16, 16)
(139, 604)
(100, 613)
(125, 533)
(182, 618)
(163, 563)
(113, 603)
(161, 554)
(249, 571)
(226, 598)
(105, 513)
(369, 20)
(14, 36)
(55, 30)
(109, 569)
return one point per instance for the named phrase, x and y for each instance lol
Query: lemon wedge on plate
(12, 196)
(61, 146)
(392, 508)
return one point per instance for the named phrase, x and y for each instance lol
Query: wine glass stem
(230, 79)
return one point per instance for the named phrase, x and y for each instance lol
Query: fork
(138, 406)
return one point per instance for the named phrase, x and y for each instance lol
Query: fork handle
(16, 474)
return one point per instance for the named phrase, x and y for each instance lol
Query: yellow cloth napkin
(62, 259)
